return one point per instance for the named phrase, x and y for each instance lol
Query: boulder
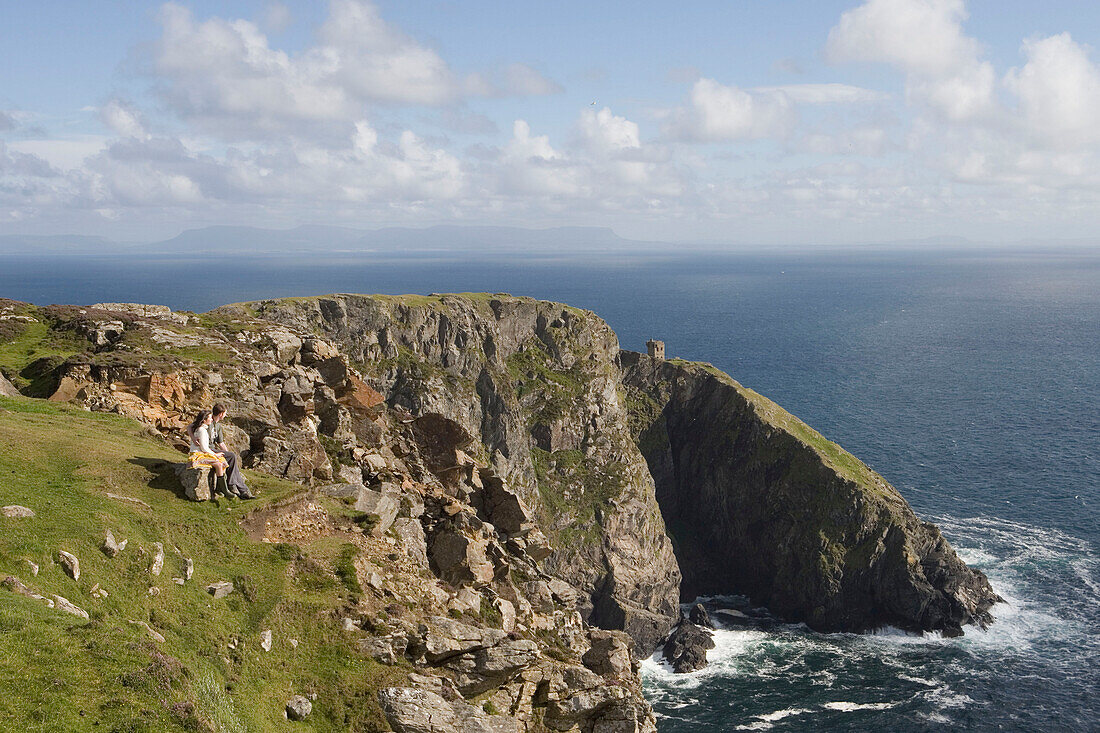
(382, 504)
(70, 563)
(386, 649)
(162, 312)
(410, 533)
(503, 508)
(700, 617)
(486, 669)
(14, 511)
(342, 490)
(374, 463)
(158, 559)
(220, 589)
(461, 559)
(196, 482)
(7, 389)
(465, 600)
(609, 655)
(686, 648)
(110, 546)
(507, 612)
(298, 707)
(102, 333)
(410, 710)
(63, 604)
(441, 638)
(153, 633)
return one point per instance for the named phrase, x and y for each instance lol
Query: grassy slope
(63, 673)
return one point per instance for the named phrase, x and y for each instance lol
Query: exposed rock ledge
(760, 504)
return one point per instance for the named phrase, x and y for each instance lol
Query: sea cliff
(519, 505)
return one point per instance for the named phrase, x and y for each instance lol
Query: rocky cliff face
(481, 445)
(530, 389)
(760, 504)
(516, 480)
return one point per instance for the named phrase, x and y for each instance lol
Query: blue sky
(771, 122)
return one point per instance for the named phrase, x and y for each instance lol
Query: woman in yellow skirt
(201, 454)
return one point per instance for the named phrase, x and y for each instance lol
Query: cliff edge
(760, 504)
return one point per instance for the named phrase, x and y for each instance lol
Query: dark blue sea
(969, 379)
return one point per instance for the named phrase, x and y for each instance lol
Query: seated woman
(201, 454)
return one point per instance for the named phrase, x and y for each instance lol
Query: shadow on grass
(163, 475)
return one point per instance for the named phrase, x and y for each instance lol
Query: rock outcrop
(517, 393)
(503, 484)
(7, 389)
(760, 504)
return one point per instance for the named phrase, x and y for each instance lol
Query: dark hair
(199, 420)
(217, 409)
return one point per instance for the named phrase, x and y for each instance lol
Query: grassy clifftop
(85, 473)
(832, 454)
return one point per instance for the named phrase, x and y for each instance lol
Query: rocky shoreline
(535, 499)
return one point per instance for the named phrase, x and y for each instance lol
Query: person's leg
(219, 482)
(234, 477)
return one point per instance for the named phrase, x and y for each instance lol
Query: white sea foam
(766, 721)
(847, 707)
(725, 659)
(931, 673)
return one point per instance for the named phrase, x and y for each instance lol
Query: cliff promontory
(760, 504)
(476, 514)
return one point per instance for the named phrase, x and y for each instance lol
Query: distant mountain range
(456, 240)
(326, 239)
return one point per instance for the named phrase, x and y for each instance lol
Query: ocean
(970, 379)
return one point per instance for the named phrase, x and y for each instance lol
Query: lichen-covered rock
(411, 710)
(111, 547)
(14, 511)
(70, 563)
(762, 505)
(196, 482)
(298, 708)
(609, 654)
(220, 589)
(530, 390)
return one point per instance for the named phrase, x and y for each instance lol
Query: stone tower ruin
(656, 348)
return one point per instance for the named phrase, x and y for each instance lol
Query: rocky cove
(549, 498)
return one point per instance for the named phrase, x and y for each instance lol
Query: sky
(743, 122)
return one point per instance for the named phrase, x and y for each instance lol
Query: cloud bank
(368, 125)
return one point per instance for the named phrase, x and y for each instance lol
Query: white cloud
(823, 93)
(1059, 92)
(122, 118)
(225, 75)
(925, 39)
(16, 164)
(63, 153)
(602, 131)
(922, 36)
(377, 62)
(716, 112)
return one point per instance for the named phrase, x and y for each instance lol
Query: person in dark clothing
(233, 475)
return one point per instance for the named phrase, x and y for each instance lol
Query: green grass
(834, 456)
(63, 673)
(34, 341)
(570, 486)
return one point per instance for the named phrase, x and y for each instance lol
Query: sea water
(969, 379)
